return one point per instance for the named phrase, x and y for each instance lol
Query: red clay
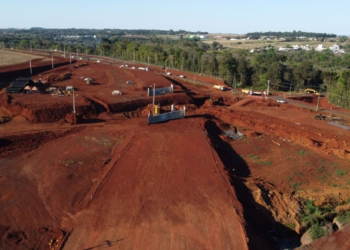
(113, 180)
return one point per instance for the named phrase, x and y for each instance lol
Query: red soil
(115, 181)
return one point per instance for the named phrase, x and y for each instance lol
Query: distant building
(336, 49)
(284, 49)
(320, 47)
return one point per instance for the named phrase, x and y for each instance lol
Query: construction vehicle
(245, 91)
(219, 87)
(311, 91)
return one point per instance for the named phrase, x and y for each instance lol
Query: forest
(290, 71)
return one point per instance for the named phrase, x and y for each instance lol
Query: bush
(344, 217)
(316, 231)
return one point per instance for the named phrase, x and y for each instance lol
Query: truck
(219, 87)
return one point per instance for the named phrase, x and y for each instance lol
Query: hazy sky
(220, 16)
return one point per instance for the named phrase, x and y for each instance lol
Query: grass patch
(321, 169)
(334, 185)
(301, 152)
(289, 178)
(341, 173)
(324, 177)
(298, 173)
(333, 165)
(265, 163)
(254, 157)
(295, 185)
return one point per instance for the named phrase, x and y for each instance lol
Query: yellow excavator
(311, 91)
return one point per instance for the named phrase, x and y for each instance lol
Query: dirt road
(174, 195)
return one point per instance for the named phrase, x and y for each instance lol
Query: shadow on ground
(263, 231)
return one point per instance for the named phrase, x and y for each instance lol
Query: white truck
(219, 87)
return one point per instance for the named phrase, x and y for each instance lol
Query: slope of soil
(97, 186)
(114, 181)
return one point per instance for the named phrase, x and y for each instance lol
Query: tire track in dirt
(111, 79)
(95, 188)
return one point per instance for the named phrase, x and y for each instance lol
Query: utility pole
(318, 99)
(234, 85)
(290, 89)
(154, 94)
(52, 59)
(70, 58)
(268, 87)
(64, 53)
(73, 102)
(30, 66)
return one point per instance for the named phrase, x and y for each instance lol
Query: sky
(213, 16)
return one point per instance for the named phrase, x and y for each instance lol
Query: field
(112, 180)
(10, 57)
(252, 44)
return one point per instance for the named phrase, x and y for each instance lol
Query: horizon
(223, 17)
(198, 31)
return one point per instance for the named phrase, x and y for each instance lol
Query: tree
(345, 75)
(243, 71)
(329, 78)
(274, 73)
(342, 39)
(228, 68)
(216, 46)
(24, 44)
(304, 73)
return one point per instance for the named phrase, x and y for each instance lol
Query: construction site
(100, 156)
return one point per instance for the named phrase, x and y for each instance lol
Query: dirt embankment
(10, 73)
(91, 107)
(306, 135)
(44, 113)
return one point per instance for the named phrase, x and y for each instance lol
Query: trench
(262, 229)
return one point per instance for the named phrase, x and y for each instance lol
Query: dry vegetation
(13, 57)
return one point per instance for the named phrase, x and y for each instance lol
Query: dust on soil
(113, 180)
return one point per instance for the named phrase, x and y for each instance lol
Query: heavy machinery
(311, 91)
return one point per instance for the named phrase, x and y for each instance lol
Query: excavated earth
(114, 181)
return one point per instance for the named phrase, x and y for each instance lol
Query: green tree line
(294, 34)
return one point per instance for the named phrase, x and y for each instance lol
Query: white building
(336, 49)
(320, 47)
